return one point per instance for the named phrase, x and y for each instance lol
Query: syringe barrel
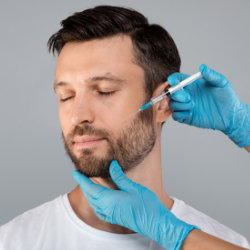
(173, 89)
(159, 98)
(185, 82)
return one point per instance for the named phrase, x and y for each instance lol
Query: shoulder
(29, 224)
(207, 224)
(38, 213)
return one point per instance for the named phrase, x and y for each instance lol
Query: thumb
(119, 178)
(88, 187)
(212, 77)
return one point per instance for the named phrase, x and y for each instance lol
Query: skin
(247, 149)
(80, 61)
(198, 240)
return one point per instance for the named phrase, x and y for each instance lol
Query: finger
(182, 116)
(96, 204)
(177, 77)
(100, 213)
(212, 77)
(180, 106)
(181, 96)
(119, 178)
(88, 187)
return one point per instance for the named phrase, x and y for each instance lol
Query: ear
(161, 109)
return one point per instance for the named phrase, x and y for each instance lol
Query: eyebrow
(106, 77)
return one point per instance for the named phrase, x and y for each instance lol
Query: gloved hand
(211, 102)
(134, 207)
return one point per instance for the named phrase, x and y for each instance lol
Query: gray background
(202, 167)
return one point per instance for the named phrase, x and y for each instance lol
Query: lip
(87, 141)
(86, 138)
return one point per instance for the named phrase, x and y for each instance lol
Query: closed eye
(65, 99)
(106, 93)
(99, 92)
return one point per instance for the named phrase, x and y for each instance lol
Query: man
(110, 63)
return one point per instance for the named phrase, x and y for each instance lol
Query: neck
(148, 173)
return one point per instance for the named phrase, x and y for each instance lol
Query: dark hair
(155, 50)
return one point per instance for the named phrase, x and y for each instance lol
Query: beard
(134, 143)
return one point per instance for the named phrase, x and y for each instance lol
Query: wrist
(173, 231)
(239, 131)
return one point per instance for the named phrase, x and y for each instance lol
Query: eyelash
(106, 93)
(99, 92)
(65, 99)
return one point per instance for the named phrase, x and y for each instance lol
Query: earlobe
(162, 111)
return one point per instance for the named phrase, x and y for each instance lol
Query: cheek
(109, 119)
(120, 116)
(112, 117)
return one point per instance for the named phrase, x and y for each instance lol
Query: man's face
(98, 85)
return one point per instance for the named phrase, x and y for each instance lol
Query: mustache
(87, 129)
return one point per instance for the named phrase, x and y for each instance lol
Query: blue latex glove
(211, 102)
(134, 207)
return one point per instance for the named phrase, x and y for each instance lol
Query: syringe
(171, 90)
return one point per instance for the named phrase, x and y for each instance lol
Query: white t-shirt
(55, 226)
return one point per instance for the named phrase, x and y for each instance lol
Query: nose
(82, 111)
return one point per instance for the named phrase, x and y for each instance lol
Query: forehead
(95, 57)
